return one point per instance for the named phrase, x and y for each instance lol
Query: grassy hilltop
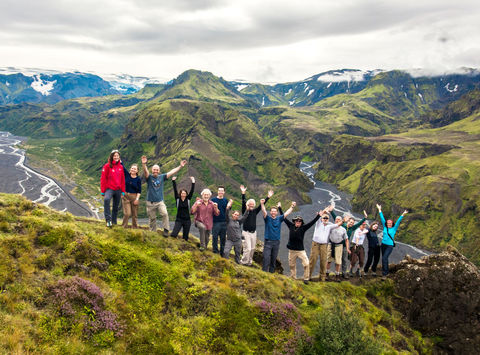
(69, 285)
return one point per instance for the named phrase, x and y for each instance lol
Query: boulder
(440, 296)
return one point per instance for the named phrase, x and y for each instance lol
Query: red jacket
(112, 178)
(204, 213)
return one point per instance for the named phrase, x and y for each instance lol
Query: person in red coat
(112, 185)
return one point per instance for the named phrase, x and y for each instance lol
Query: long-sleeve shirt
(389, 233)
(132, 185)
(113, 177)
(204, 213)
(296, 236)
(234, 229)
(183, 206)
(372, 237)
(351, 229)
(250, 224)
(322, 232)
(359, 236)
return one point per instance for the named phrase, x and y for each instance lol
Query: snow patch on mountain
(311, 92)
(43, 87)
(447, 87)
(7, 83)
(240, 87)
(288, 92)
(291, 103)
(128, 84)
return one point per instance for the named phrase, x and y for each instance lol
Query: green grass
(167, 296)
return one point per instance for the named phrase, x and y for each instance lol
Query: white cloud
(263, 41)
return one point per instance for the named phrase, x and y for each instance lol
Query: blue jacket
(389, 233)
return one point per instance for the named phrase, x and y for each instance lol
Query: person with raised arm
(273, 225)
(338, 237)
(373, 248)
(350, 226)
(130, 201)
(358, 252)
(219, 229)
(388, 240)
(155, 183)
(234, 232)
(204, 210)
(112, 186)
(295, 245)
(249, 226)
(182, 200)
(319, 249)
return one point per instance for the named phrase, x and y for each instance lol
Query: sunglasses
(325, 218)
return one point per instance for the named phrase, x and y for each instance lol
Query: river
(17, 178)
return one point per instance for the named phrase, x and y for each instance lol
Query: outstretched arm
(190, 194)
(243, 189)
(290, 209)
(264, 210)
(144, 165)
(174, 183)
(382, 218)
(312, 222)
(177, 169)
(400, 219)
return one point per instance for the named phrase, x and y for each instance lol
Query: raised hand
(404, 212)
(270, 193)
(193, 179)
(243, 189)
(293, 204)
(183, 163)
(229, 204)
(174, 178)
(144, 159)
(279, 204)
(379, 207)
(330, 208)
(365, 214)
(262, 201)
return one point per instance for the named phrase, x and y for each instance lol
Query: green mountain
(434, 172)
(69, 285)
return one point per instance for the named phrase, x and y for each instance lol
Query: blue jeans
(116, 195)
(219, 229)
(270, 253)
(386, 251)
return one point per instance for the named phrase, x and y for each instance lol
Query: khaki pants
(292, 262)
(152, 208)
(249, 242)
(318, 250)
(204, 234)
(338, 253)
(129, 209)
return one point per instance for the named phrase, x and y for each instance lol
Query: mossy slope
(133, 291)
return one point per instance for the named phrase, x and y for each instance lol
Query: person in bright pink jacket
(112, 185)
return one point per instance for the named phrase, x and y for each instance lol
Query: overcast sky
(255, 40)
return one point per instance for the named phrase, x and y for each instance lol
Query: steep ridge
(69, 285)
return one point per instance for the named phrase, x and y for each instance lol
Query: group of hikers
(340, 242)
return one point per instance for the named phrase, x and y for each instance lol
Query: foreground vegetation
(68, 285)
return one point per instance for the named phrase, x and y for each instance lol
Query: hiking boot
(109, 224)
(166, 234)
(305, 282)
(345, 276)
(338, 278)
(359, 273)
(374, 274)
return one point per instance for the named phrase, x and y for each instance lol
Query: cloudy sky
(255, 40)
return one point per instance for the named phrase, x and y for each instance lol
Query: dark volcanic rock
(440, 296)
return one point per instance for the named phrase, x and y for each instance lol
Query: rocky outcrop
(440, 296)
